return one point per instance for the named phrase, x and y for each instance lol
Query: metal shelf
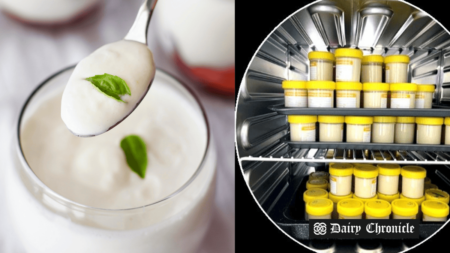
(370, 146)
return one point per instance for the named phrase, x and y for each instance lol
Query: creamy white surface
(87, 111)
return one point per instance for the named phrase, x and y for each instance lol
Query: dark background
(254, 21)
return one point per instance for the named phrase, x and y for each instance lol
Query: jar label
(292, 101)
(333, 185)
(384, 100)
(313, 71)
(320, 99)
(307, 128)
(400, 100)
(373, 189)
(295, 93)
(308, 133)
(344, 72)
(345, 100)
(366, 134)
(420, 103)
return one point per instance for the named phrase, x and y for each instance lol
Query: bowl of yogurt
(72, 194)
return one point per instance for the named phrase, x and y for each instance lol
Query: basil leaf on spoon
(136, 154)
(112, 86)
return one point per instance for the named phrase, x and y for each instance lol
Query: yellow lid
(368, 171)
(389, 169)
(384, 119)
(350, 207)
(425, 87)
(336, 198)
(436, 194)
(430, 121)
(396, 58)
(341, 169)
(429, 186)
(319, 174)
(359, 120)
(321, 85)
(405, 207)
(299, 119)
(388, 198)
(315, 193)
(331, 119)
(348, 52)
(412, 171)
(365, 199)
(320, 55)
(447, 120)
(377, 208)
(317, 183)
(372, 58)
(433, 208)
(375, 86)
(293, 84)
(403, 87)
(348, 86)
(319, 207)
(407, 120)
(418, 201)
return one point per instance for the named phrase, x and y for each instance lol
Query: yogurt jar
(447, 130)
(336, 200)
(388, 175)
(348, 64)
(404, 130)
(365, 181)
(321, 66)
(434, 211)
(404, 209)
(312, 194)
(429, 130)
(388, 198)
(436, 194)
(341, 178)
(377, 209)
(302, 127)
(396, 70)
(383, 129)
(424, 96)
(350, 209)
(317, 183)
(413, 181)
(319, 209)
(372, 69)
(418, 202)
(358, 128)
(331, 128)
(375, 95)
(321, 94)
(319, 174)
(403, 95)
(348, 94)
(295, 94)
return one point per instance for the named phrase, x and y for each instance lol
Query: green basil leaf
(135, 153)
(112, 86)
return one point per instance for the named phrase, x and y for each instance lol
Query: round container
(388, 198)
(388, 175)
(396, 70)
(404, 209)
(319, 209)
(377, 209)
(404, 130)
(315, 193)
(447, 130)
(372, 69)
(348, 64)
(350, 209)
(319, 174)
(358, 128)
(429, 130)
(302, 127)
(348, 94)
(424, 96)
(434, 211)
(295, 94)
(403, 95)
(335, 200)
(321, 94)
(383, 129)
(429, 186)
(413, 181)
(331, 128)
(436, 194)
(365, 199)
(321, 66)
(375, 95)
(341, 178)
(365, 181)
(317, 183)
(418, 201)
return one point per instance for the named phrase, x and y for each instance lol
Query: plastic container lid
(331, 119)
(388, 198)
(348, 52)
(436, 194)
(429, 121)
(350, 207)
(315, 193)
(321, 85)
(319, 207)
(396, 58)
(359, 120)
(368, 171)
(418, 201)
(341, 169)
(384, 119)
(403, 87)
(293, 84)
(302, 119)
(405, 207)
(407, 120)
(372, 59)
(377, 208)
(425, 87)
(348, 86)
(320, 55)
(389, 169)
(336, 198)
(415, 172)
(433, 208)
(317, 183)
(375, 86)
(319, 174)
(365, 199)
(447, 120)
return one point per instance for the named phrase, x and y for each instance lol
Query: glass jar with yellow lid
(331, 128)
(372, 69)
(383, 129)
(429, 130)
(419, 203)
(438, 195)
(312, 194)
(447, 130)
(348, 94)
(413, 181)
(404, 130)
(317, 183)
(319, 174)
(388, 177)
(404, 209)
(375, 95)
(424, 96)
(321, 94)
(358, 128)
(396, 68)
(403, 95)
(341, 178)
(295, 94)
(302, 127)
(350, 209)
(321, 66)
(319, 209)
(335, 200)
(348, 64)
(377, 209)
(365, 181)
(388, 198)
(434, 211)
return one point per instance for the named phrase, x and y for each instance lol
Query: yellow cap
(396, 58)
(348, 86)
(350, 207)
(365, 199)
(433, 208)
(341, 169)
(375, 86)
(412, 171)
(377, 208)
(388, 198)
(317, 183)
(293, 84)
(331, 119)
(406, 120)
(405, 207)
(447, 120)
(315, 193)
(359, 120)
(336, 198)
(319, 207)
(319, 174)
(348, 52)
(320, 55)
(299, 119)
(425, 87)
(429, 186)
(430, 121)
(403, 87)
(436, 194)
(321, 85)
(418, 201)
(389, 169)
(368, 171)
(384, 119)
(372, 58)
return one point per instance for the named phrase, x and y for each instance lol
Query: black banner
(364, 229)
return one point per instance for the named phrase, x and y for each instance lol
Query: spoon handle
(138, 31)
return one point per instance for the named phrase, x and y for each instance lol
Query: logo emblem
(320, 228)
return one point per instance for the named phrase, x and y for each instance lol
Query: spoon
(139, 29)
